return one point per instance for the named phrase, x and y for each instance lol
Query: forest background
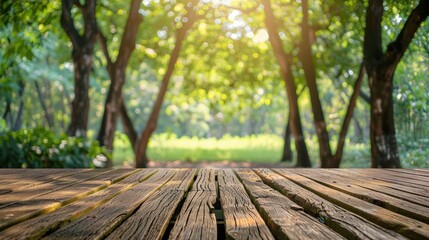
(224, 75)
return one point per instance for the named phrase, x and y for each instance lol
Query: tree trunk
(143, 140)
(116, 70)
(128, 126)
(335, 163)
(42, 101)
(287, 150)
(306, 59)
(358, 130)
(82, 54)
(384, 150)
(7, 115)
(80, 104)
(285, 66)
(381, 67)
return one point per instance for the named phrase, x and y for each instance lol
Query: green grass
(165, 147)
(258, 149)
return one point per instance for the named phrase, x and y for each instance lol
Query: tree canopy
(210, 68)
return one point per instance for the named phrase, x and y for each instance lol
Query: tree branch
(349, 115)
(396, 49)
(128, 125)
(103, 44)
(128, 41)
(67, 23)
(365, 97)
(79, 5)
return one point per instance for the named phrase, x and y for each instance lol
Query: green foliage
(226, 81)
(413, 152)
(36, 148)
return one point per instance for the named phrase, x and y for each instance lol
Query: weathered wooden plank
(394, 182)
(285, 219)
(242, 220)
(195, 220)
(393, 177)
(381, 216)
(403, 175)
(25, 175)
(31, 180)
(151, 219)
(352, 187)
(29, 208)
(28, 174)
(410, 171)
(401, 192)
(346, 223)
(6, 173)
(101, 221)
(40, 190)
(375, 181)
(37, 227)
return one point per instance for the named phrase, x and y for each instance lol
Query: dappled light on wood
(219, 203)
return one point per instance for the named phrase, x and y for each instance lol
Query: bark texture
(114, 100)
(380, 68)
(82, 55)
(286, 72)
(306, 59)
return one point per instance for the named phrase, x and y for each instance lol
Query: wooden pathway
(214, 204)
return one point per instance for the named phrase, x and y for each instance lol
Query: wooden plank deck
(214, 204)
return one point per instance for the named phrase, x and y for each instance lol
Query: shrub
(40, 148)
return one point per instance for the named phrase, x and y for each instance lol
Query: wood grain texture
(405, 173)
(196, 220)
(101, 221)
(348, 224)
(25, 174)
(381, 216)
(39, 226)
(256, 204)
(393, 178)
(40, 190)
(36, 178)
(151, 219)
(16, 173)
(51, 201)
(242, 220)
(353, 188)
(410, 171)
(398, 191)
(375, 181)
(285, 219)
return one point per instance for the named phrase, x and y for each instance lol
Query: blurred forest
(315, 83)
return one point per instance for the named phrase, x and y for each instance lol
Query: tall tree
(82, 55)
(116, 70)
(286, 72)
(305, 57)
(380, 66)
(327, 157)
(287, 154)
(143, 139)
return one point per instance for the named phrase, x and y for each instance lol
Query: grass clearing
(255, 148)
